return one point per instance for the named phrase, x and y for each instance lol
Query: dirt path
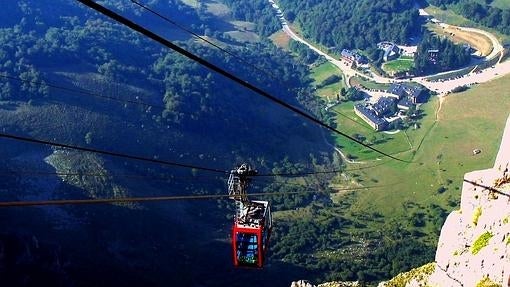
(339, 151)
(441, 101)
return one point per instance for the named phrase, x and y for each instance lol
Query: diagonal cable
(153, 198)
(110, 153)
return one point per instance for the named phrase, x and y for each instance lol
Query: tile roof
(370, 114)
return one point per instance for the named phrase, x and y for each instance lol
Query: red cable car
(252, 222)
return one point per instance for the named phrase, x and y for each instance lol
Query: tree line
(328, 244)
(354, 24)
(341, 24)
(481, 12)
(448, 57)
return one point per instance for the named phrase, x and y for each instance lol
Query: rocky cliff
(305, 283)
(473, 248)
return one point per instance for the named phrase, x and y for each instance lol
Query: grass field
(323, 71)
(441, 155)
(351, 124)
(368, 84)
(217, 8)
(398, 65)
(447, 16)
(478, 41)
(243, 25)
(244, 36)
(244, 31)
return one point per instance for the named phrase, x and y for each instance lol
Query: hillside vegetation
(195, 117)
(363, 23)
(193, 99)
(387, 226)
(451, 57)
(492, 14)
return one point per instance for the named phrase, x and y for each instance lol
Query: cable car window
(247, 248)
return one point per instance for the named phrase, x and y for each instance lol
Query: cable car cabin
(252, 221)
(251, 232)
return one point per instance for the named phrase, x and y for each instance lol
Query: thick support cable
(110, 153)
(152, 199)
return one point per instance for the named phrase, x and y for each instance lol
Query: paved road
(347, 71)
(496, 45)
(445, 87)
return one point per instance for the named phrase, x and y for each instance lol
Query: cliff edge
(473, 248)
(474, 241)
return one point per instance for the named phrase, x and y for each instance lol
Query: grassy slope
(191, 3)
(320, 73)
(473, 119)
(242, 31)
(448, 16)
(398, 65)
(368, 84)
(351, 124)
(281, 40)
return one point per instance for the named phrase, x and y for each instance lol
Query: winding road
(346, 70)
(442, 87)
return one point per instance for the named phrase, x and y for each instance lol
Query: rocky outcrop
(302, 283)
(473, 248)
(474, 241)
(416, 277)
(87, 171)
(306, 283)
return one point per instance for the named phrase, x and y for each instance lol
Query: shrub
(487, 282)
(481, 242)
(476, 215)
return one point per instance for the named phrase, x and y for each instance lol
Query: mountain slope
(473, 245)
(201, 119)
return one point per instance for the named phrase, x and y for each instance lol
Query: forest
(341, 24)
(479, 11)
(256, 11)
(203, 119)
(449, 57)
(195, 117)
(188, 92)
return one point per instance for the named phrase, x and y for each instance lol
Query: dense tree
(448, 56)
(258, 11)
(353, 94)
(304, 53)
(443, 2)
(300, 241)
(355, 24)
(480, 11)
(340, 24)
